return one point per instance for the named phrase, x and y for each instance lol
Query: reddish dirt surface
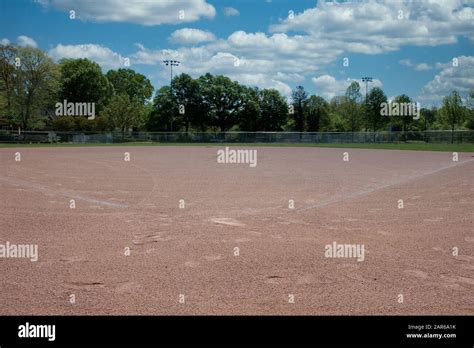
(190, 251)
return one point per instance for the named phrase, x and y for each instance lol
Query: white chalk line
(370, 191)
(41, 188)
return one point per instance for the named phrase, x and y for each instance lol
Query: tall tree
(299, 96)
(274, 110)
(161, 117)
(123, 114)
(317, 114)
(30, 83)
(263, 110)
(352, 108)
(250, 116)
(7, 80)
(427, 117)
(470, 109)
(374, 105)
(187, 96)
(83, 82)
(223, 98)
(135, 85)
(402, 120)
(452, 111)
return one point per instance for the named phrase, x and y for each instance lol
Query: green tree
(402, 121)
(263, 110)
(250, 116)
(317, 114)
(135, 85)
(187, 96)
(29, 85)
(163, 111)
(352, 110)
(83, 82)
(374, 118)
(299, 97)
(470, 110)
(222, 97)
(123, 114)
(274, 110)
(452, 111)
(7, 81)
(427, 117)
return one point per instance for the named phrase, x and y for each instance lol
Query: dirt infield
(237, 246)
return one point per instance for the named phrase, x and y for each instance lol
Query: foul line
(42, 188)
(367, 192)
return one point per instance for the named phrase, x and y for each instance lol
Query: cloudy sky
(422, 48)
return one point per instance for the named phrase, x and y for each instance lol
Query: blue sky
(406, 46)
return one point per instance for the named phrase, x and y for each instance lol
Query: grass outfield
(391, 146)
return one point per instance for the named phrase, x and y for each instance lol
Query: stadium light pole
(367, 79)
(171, 64)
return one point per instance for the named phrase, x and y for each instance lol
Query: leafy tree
(223, 98)
(452, 111)
(123, 114)
(7, 81)
(374, 118)
(263, 110)
(29, 84)
(353, 92)
(470, 110)
(351, 107)
(250, 116)
(427, 118)
(299, 96)
(83, 82)
(135, 85)
(402, 120)
(186, 93)
(274, 110)
(317, 114)
(161, 116)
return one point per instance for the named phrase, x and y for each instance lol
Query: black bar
(288, 330)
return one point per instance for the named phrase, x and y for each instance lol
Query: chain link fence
(36, 137)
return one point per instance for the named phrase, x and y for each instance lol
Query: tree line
(31, 84)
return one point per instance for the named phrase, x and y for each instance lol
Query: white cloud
(139, 12)
(191, 36)
(460, 78)
(230, 11)
(25, 41)
(422, 67)
(329, 87)
(374, 27)
(406, 62)
(104, 56)
(4, 41)
(323, 34)
(262, 81)
(416, 67)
